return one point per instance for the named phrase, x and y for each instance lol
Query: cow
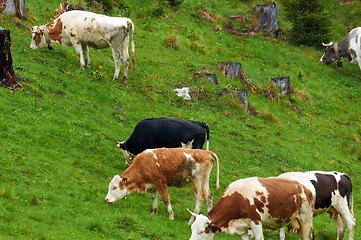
(333, 195)
(164, 132)
(349, 47)
(81, 29)
(250, 204)
(155, 169)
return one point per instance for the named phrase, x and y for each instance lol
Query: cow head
(330, 54)
(202, 228)
(38, 38)
(127, 155)
(117, 189)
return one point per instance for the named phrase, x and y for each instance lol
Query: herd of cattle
(82, 29)
(164, 152)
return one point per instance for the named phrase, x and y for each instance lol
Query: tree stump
(233, 70)
(8, 77)
(268, 16)
(243, 96)
(16, 7)
(283, 84)
(209, 76)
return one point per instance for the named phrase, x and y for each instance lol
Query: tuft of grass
(172, 42)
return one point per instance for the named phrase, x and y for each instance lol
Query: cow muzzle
(50, 46)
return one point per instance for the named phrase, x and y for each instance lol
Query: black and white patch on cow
(349, 47)
(164, 132)
(333, 191)
(81, 29)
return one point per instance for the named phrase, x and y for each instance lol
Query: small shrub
(197, 47)
(172, 42)
(104, 5)
(309, 24)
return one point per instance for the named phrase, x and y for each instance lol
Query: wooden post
(268, 16)
(8, 77)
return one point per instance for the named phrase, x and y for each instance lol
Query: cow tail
(215, 157)
(350, 196)
(133, 44)
(205, 126)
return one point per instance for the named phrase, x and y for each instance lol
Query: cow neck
(337, 51)
(47, 37)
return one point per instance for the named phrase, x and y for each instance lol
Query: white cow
(81, 29)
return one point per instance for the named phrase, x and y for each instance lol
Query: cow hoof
(171, 217)
(125, 79)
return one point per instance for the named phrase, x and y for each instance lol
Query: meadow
(58, 133)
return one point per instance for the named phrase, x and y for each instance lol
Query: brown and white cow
(333, 195)
(155, 169)
(249, 204)
(81, 29)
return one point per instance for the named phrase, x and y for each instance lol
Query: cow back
(173, 166)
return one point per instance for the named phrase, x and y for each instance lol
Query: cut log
(234, 70)
(8, 77)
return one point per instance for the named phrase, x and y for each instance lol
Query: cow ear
(215, 229)
(123, 181)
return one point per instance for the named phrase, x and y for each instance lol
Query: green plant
(310, 25)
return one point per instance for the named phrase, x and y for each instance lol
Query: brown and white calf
(250, 204)
(156, 169)
(333, 195)
(81, 29)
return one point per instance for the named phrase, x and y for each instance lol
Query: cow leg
(79, 50)
(86, 54)
(345, 217)
(163, 191)
(282, 233)
(125, 57)
(155, 201)
(117, 59)
(340, 227)
(257, 230)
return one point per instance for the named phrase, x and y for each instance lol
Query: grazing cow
(248, 205)
(164, 132)
(333, 195)
(156, 169)
(81, 29)
(349, 47)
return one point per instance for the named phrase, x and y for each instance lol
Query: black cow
(348, 48)
(164, 132)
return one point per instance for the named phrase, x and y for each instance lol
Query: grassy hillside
(58, 134)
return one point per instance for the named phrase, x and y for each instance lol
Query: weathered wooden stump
(243, 96)
(233, 70)
(16, 7)
(268, 16)
(209, 76)
(283, 85)
(8, 77)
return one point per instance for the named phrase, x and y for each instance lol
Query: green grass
(58, 134)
